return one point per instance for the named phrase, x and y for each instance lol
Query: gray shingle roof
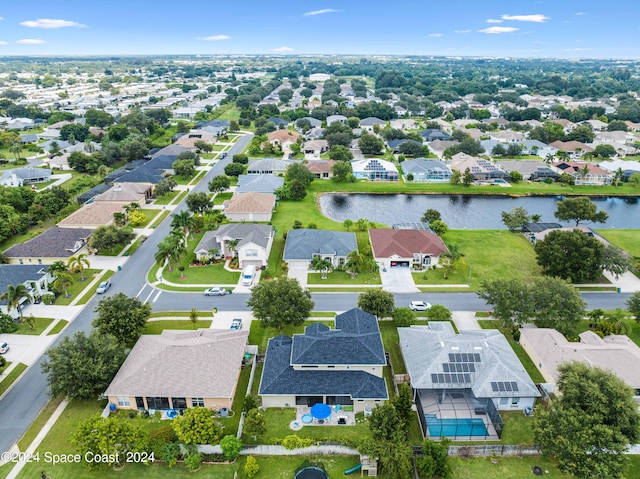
(423, 165)
(52, 243)
(259, 183)
(426, 351)
(12, 274)
(302, 244)
(245, 233)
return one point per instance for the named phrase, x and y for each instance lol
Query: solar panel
(472, 368)
(460, 378)
(501, 386)
(494, 386)
(452, 357)
(458, 357)
(477, 357)
(514, 385)
(467, 378)
(441, 378)
(507, 386)
(434, 378)
(447, 378)
(464, 357)
(445, 367)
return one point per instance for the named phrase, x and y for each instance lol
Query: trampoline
(311, 473)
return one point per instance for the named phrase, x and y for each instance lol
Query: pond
(466, 211)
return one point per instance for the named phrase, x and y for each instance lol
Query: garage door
(402, 264)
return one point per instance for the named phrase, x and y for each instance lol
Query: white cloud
(215, 38)
(2, 42)
(435, 35)
(282, 49)
(313, 13)
(496, 30)
(494, 20)
(537, 18)
(1, 18)
(30, 41)
(51, 23)
(580, 13)
(578, 49)
(462, 31)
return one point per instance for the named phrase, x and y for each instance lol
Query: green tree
(99, 118)
(434, 461)
(616, 261)
(199, 202)
(342, 171)
(83, 366)
(354, 264)
(557, 304)
(277, 303)
(13, 295)
(467, 177)
(633, 305)
(233, 169)
(109, 237)
(297, 190)
(184, 168)
(340, 153)
(377, 302)
(605, 151)
(108, 437)
(511, 300)
(298, 171)
(439, 227)
(362, 224)
(403, 404)
(516, 218)
(347, 224)
(78, 263)
(456, 177)
(431, 215)
(255, 423)
(571, 255)
(322, 265)
(231, 447)
(634, 180)
(251, 467)
(385, 422)
(7, 325)
(219, 183)
(122, 317)
(370, 144)
(579, 208)
(403, 317)
(589, 433)
(438, 312)
(63, 282)
(197, 426)
(193, 316)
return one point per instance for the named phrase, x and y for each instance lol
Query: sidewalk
(466, 320)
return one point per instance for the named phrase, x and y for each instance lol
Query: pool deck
(348, 416)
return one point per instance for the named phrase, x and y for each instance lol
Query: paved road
(26, 399)
(28, 396)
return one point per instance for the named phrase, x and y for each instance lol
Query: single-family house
(403, 124)
(302, 245)
(531, 170)
(481, 169)
(462, 381)
(313, 122)
(432, 134)
(127, 193)
(507, 136)
(154, 375)
(332, 366)
(190, 139)
(368, 123)
(417, 249)
(628, 167)
(269, 166)
(25, 176)
(322, 169)
(252, 248)
(278, 122)
(33, 276)
(396, 143)
(259, 183)
(438, 147)
(315, 147)
(548, 349)
(584, 173)
(596, 125)
(575, 149)
(426, 170)
(374, 169)
(54, 244)
(250, 207)
(336, 118)
(92, 215)
(283, 138)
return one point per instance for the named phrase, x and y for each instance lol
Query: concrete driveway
(299, 272)
(398, 280)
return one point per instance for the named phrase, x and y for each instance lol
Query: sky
(502, 28)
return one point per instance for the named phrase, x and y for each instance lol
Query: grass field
(166, 199)
(340, 277)
(149, 214)
(222, 197)
(39, 422)
(160, 219)
(39, 327)
(58, 327)
(156, 327)
(628, 240)
(77, 287)
(89, 294)
(11, 377)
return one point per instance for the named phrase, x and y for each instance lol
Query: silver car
(215, 292)
(103, 287)
(419, 305)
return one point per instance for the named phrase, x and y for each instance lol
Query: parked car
(419, 305)
(236, 324)
(215, 292)
(222, 156)
(103, 287)
(4, 347)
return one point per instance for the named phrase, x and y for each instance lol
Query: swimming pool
(456, 427)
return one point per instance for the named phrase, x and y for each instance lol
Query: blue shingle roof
(302, 244)
(12, 274)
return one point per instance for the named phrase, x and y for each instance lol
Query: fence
(254, 351)
(494, 449)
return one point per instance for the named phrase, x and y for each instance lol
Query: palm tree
(78, 263)
(57, 267)
(182, 220)
(232, 245)
(354, 264)
(617, 176)
(64, 281)
(584, 171)
(119, 218)
(164, 253)
(16, 149)
(321, 264)
(30, 321)
(88, 146)
(13, 295)
(549, 159)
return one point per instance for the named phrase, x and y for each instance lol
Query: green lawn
(222, 197)
(204, 275)
(39, 422)
(77, 287)
(524, 358)
(89, 294)
(58, 327)
(260, 336)
(134, 246)
(505, 468)
(341, 277)
(156, 327)
(166, 199)
(39, 327)
(32, 232)
(517, 429)
(160, 219)
(150, 214)
(115, 251)
(628, 240)
(11, 377)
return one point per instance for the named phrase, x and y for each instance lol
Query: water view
(466, 211)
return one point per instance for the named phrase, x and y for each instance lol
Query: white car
(236, 324)
(419, 305)
(4, 347)
(103, 287)
(215, 292)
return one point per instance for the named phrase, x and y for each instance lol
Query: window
(123, 401)
(39, 261)
(179, 403)
(197, 402)
(514, 401)
(504, 401)
(251, 252)
(20, 261)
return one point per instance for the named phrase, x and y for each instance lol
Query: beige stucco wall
(257, 217)
(209, 403)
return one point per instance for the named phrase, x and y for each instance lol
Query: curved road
(28, 396)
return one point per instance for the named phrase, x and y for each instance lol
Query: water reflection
(465, 211)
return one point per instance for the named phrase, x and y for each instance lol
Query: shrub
(402, 317)
(48, 299)
(251, 467)
(295, 442)
(193, 461)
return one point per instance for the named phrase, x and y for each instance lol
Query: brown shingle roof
(404, 243)
(250, 203)
(100, 213)
(126, 192)
(203, 363)
(320, 166)
(570, 145)
(284, 136)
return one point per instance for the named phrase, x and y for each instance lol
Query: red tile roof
(405, 243)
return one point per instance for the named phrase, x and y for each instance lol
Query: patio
(338, 417)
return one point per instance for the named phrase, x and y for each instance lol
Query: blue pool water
(456, 427)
